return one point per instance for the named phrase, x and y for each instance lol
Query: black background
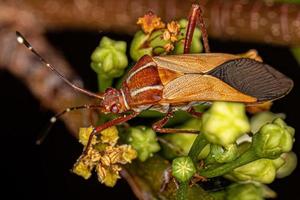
(43, 172)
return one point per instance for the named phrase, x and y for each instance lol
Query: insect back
(254, 78)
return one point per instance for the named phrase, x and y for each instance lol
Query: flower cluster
(105, 156)
(156, 38)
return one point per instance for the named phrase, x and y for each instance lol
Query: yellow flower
(104, 155)
(84, 134)
(86, 163)
(110, 136)
(108, 175)
(150, 22)
(169, 47)
(173, 27)
(128, 154)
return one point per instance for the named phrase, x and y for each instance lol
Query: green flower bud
(247, 191)
(278, 162)
(273, 139)
(196, 45)
(109, 61)
(224, 123)
(260, 119)
(290, 164)
(221, 154)
(136, 50)
(183, 168)
(144, 141)
(262, 170)
(177, 144)
(180, 144)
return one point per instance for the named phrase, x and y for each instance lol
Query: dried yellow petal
(82, 170)
(166, 35)
(86, 163)
(150, 22)
(105, 160)
(108, 176)
(110, 135)
(169, 47)
(173, 27)
(84, 134)
(128, 154)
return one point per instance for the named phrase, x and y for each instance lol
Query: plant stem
(104, 83)
(181, 193)
(220, 170)
(198, 145)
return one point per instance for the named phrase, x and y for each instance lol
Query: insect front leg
(195, 14)
(106, 125)
(158, 126)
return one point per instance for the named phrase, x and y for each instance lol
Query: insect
(178, 82)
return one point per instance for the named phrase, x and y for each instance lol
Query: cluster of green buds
(229, 149)
(143, 140)
(224, 124)
(156, 38)
(109, 61)
(105, 156)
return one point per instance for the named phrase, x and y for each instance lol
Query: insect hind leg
(195, 14)
(158, 126)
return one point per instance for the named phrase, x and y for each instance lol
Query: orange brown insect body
(177, 82)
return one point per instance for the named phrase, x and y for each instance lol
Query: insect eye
(114, 108)
(109, 90)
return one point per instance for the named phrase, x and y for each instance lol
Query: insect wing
(197, 87)
(193, 63)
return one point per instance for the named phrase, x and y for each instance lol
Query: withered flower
(104, 155)
(169, 47)
(150, 22)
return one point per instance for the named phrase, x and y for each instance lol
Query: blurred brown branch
(232, 19)
(257, 20)
(46, 86)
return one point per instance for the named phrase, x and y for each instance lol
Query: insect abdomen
(143, 86)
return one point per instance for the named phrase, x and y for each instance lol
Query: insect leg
(194, 113)
(196, 13)
(197, 178)
(53, 119)
(106, 125)
(158, 126)
(21, 39)
(167, 177)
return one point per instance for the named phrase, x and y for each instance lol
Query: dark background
(43, 172)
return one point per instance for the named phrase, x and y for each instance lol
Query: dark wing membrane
(197, 87)
(254, 78)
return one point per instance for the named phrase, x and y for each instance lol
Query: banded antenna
(53, 119)
(21, 39)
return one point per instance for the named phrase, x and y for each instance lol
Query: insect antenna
(53, 119)
(21, 39)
